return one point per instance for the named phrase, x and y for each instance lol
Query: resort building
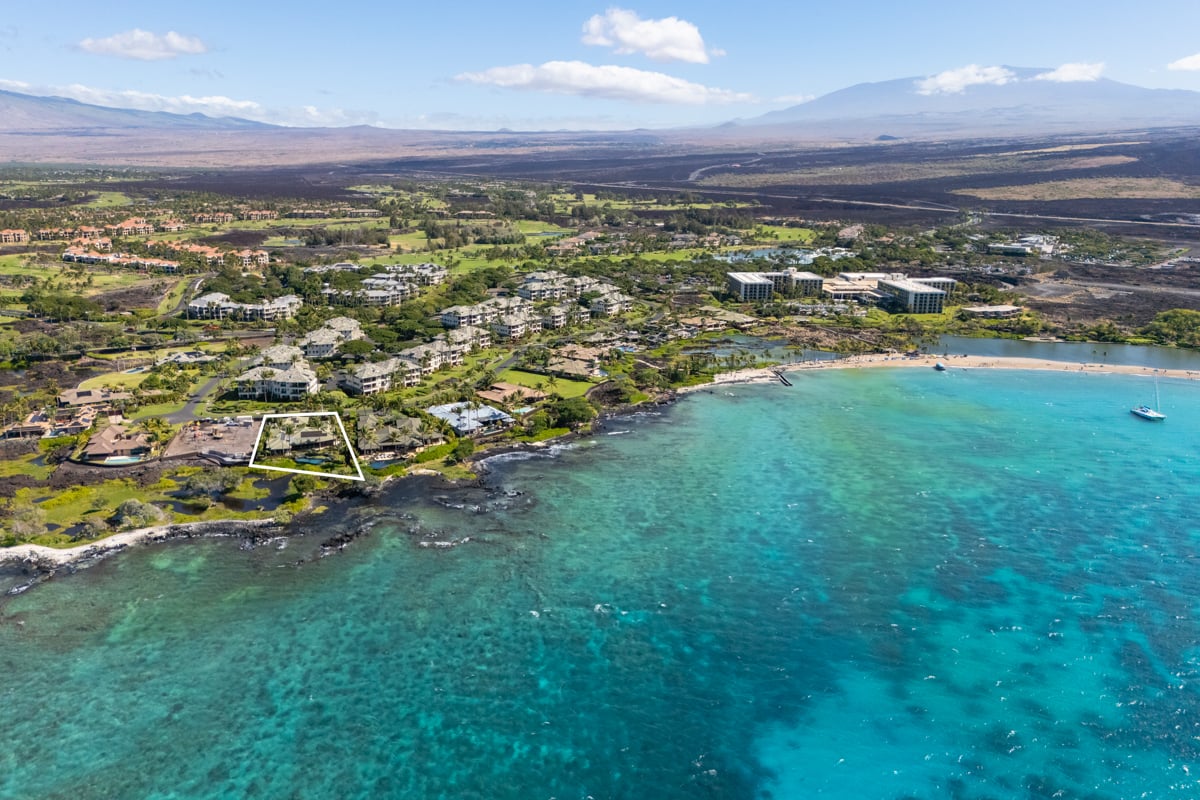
(752, 285)
(382, 376)
(217, 305)
(325, 341)
(467, 338)
(252, 258)
(134, 226)
(514, 326)
(426, 274)
(279, 356)
(747, 286)
(321, 343)
(13, 236)
(433, 356)
(914, 297)
(295, 382)
(213, 216)
(610, 304)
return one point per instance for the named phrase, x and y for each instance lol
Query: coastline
(875, 361)
(42, 562)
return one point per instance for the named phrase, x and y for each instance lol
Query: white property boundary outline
(345, 438)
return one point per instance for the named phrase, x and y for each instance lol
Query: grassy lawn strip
(117, 380)
(562, 386)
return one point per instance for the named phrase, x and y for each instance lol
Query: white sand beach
(767, 374)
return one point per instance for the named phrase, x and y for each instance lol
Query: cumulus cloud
(1190, 63)
(144, 45)
(209, 105)
(954, 81)
(668, 39)
(1073, 73)
(608, 82)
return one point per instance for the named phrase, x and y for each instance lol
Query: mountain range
(55, 129)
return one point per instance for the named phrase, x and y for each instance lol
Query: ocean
(877, 583)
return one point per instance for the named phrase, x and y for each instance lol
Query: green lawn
(158, 410)
(171, 298)
(528, 226)
(109, 200)
(409, 241)
(117, 380)
(784, 234)
(562, 386)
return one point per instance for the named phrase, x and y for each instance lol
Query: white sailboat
(1146, 412)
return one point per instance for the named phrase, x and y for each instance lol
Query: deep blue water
(874, 584)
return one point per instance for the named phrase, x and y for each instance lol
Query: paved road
(188, 412)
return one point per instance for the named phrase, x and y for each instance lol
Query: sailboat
(1146, 412)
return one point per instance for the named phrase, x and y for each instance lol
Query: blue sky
(525, 65)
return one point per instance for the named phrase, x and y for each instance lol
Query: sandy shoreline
(48, 558)
(767, 374)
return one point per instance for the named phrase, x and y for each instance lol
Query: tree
(136, 514)
(462, 451)
(571, 412)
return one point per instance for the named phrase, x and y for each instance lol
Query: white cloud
(794, 99)
(145, 45)
(209, 105)
(954, 81)
(668, 39)
(1189, 64)
(1073, 73)
(608, 82)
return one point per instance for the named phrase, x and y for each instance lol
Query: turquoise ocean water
(874, 584)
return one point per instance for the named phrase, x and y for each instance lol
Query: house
(468, 419)
(75, 398)
(116, 441)
(282, 441)
(394, 433)
(257, 215)
(172, 225)
(509, 393)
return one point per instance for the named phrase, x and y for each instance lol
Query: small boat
(940, 367)
(1146, 412)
